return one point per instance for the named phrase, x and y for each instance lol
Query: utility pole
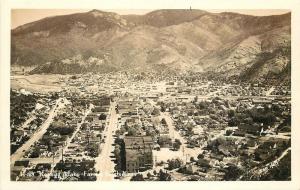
(52, 157)
(186, 157)
(155, 161)
(62, 153)
(88, 135)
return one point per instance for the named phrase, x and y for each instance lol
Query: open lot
(38, 83)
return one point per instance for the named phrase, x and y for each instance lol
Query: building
(138, 153)
(165, 141)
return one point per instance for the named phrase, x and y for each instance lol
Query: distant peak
(97, 13)
(95, 10)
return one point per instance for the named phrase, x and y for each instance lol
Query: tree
(231, 113)
(137, 177)
(164, 176)
(203, 105)
(163, 121)
(93, 150)
(228, 132)
(148, 175)
(73, 77)
(176, 145)
(120, 154)
(117, 152)
(190, 127)
(192, 159)
(150, 133)
(35, 153)
(232, 173)
(178, 141)
(131, 131)
(162, 108)
(155, 111)
(200, 156)
(196, 99)
(102, 116)
(233, 122)
(174, 163)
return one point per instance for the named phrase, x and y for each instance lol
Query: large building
(138, 150)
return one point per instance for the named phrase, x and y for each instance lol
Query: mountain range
(171, 41)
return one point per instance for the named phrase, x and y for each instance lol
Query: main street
(104, 162)
(38, 134)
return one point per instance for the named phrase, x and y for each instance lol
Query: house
(100, 109)
(191, 168)
(24, 163)
(138, 153)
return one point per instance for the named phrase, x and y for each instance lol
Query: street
(104, 162)
(174, 134)
(38, 134)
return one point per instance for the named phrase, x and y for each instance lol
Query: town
(148, 127)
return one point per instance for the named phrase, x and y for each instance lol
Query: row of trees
(119, 153)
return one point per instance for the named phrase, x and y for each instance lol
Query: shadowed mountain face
(176, 41)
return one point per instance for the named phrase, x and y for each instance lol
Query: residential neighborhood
(148, 127)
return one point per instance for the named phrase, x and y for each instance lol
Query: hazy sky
(23, 16)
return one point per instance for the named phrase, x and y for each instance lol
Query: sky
(23, 16)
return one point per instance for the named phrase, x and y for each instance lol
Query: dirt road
(104, 162)
(38, 134)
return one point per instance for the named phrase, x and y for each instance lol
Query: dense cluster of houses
(231, 127)
(31, 112)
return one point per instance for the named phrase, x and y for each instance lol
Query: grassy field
(38, 83)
